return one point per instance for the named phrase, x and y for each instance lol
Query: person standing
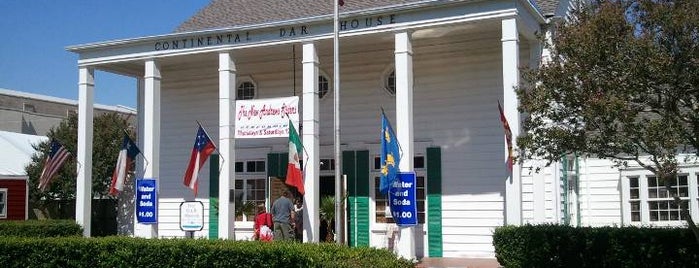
(298, 224)
(283, 216)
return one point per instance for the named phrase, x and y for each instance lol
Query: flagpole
(336, 74)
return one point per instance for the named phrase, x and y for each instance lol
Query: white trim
(3, 202)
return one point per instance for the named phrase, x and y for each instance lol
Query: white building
(438, 68)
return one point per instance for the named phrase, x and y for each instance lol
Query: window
(661, 206)
(323, 86)
(248, 194)
(389, 82)
(249, 190)
(254, 166)
(647, 200)
(635, 199)
(327, 164)
(3, 203)
(381, 201)
(418, 162)
(246, 88)
(28, 107)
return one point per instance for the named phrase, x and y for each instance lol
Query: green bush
(137, 252)
(566, 246)
(40, 228)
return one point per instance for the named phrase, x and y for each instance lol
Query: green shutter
(273, 165)
(213, 197)
(434, 201)
(276, 164)
(355, 165)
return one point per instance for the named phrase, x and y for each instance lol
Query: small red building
(13, 198)
(16, 153)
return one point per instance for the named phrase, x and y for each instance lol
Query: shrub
(40, 228)
(566, 246)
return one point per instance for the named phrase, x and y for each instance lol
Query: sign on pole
(191, 216)
(146, 201)
(402, 198)
(265, 118)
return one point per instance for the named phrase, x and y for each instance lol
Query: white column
(404, 125)
(151, 137)
(83, 202)
(510, 79)
(310, 119)
(226, 142)
(141, 165)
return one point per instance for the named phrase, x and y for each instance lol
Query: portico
(438, 71)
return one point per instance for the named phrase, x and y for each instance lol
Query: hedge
(138, 252)
(566, 246)
(40, 228)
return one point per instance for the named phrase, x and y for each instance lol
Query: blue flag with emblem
(390, 155)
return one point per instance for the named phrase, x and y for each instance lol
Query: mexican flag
(293, 170)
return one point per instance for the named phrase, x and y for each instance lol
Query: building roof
(118, 108)
(17, 152)
(229, 13)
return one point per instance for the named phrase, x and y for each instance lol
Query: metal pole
(336, 74)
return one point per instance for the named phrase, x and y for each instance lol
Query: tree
(108, 134)
(622, 83)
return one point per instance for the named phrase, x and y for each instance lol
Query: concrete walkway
(458, 262)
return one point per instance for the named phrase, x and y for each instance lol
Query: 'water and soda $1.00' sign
(146, 201)
(402, 199)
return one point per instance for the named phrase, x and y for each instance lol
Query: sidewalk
(458, 262)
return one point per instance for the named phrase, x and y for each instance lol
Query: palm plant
(327, 213)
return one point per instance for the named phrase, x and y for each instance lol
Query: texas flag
(203, 147)
(127, 155)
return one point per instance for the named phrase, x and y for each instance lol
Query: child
(263, 225)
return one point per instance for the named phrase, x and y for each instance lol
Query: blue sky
(35, 34)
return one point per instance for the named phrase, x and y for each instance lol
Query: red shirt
(263, 219)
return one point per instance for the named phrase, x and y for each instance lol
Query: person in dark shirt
(283, 216)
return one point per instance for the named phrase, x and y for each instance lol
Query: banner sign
(146, 201)
(191, 216)
(402, 199)
(265, 118)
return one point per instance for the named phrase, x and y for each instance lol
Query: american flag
(508, 138)
(57, 156)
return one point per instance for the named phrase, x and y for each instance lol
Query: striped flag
(294, 176)
(57, 156)
(127, 155)
(508, 138)
(203, 147)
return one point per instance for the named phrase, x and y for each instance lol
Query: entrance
(327, 188)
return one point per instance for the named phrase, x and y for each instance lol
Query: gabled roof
(230, 13)
(16, 152)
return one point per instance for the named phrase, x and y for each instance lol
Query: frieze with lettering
(286, 32)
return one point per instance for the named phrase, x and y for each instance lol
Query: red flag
(203, 147)
(57, 156)
(508, 138)
(127, 155)
(293, 169)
